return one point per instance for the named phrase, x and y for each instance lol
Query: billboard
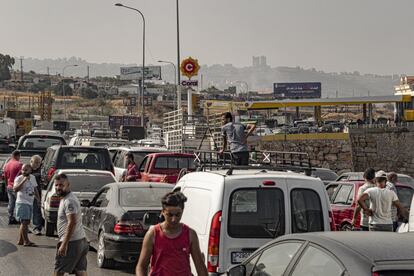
(295, 90)
(135, 73)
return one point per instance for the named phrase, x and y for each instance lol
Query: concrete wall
(389, 149)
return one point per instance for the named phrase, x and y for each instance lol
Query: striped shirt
(70, 205)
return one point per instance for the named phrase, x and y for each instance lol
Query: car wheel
(346, 227)
(101, 260)
(50, 228)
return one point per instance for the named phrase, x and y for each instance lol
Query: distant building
(259, 61)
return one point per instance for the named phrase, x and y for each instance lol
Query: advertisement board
(116, 121)
(297, 90)
(135, 73)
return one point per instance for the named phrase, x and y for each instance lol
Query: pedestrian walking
(236, 136)
(381, 200)
(168, 245)
(392, 179)
(11, 170)
(38, 221)
(369, 176)
(25, 186)
(72, 247)
(131, 173)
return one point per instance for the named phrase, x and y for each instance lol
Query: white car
(84, 184)
(409, 226)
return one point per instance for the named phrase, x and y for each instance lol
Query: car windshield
(173, 162)
(39, 142)
(96, 159)
(325, 175)
(88, 182)
(405, 180)
(142, 197)
(139, 155)
(405, 194)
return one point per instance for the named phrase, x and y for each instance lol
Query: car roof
(45, 132)
(375, 246)
(137, 149)
(83, 171)
(76, 147)
(240, 174)
(140, 185)
(172, 154)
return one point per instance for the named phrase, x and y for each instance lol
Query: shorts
(75, 259)
(23, 211)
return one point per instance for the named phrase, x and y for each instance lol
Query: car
(165, 167)
(83, 183)
(332, 254)
(139, 154)
(3, 186)
(235, 211)
(74, 157)
(344, 201)
(326, 175)
(103, 142)
(408, 226)
(37, 142)
(359, 176)
(113, 219)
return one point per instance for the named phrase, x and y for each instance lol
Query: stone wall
(389, 149)
(332, 154)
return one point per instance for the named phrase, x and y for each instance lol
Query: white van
(234, 212)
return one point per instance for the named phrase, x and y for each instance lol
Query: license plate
(239, 257)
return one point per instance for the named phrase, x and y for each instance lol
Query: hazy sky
(371, 36)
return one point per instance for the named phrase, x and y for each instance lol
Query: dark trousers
(364, 228)
(37, 216)
(12, 203)
(240, 158)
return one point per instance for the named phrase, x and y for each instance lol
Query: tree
(6, 63)
(88, 93)
(59, 91)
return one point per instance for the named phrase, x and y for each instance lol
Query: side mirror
(238, 270)
(85, 203)
(151, 219)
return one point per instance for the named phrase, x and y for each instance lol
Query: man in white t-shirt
(381, 200)
(25, 186)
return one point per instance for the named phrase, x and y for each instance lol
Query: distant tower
(256, 61)
(263, 62)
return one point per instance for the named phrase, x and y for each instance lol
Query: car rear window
(396, 273)
(94, 159)
(141, 197)
(40, 143)
(172, 162)
(405, 180)
(307, 215)
(325, 175)
(140, 155)
(405, 195)
(88, 182)
(256, 213)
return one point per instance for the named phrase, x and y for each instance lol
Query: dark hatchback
(114, 219)
(74, 157)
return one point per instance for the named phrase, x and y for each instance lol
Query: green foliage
(88, 93)
(6, 63)
(58, 90)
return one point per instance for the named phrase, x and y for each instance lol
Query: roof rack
(266, 160)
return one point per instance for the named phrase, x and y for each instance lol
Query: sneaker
(13, 221)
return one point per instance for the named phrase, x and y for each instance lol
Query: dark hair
(130, 155)
(228, 115)
(15, 153)
(174, 199)
(369, 174)
(61, 176)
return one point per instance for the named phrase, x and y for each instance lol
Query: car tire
(50, 228)
(101, 260)
(346, 227)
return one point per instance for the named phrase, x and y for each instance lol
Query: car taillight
(128, 228)
(375, 274)
(332, 221)
(50, 173)
(213, 243)
(54, 201)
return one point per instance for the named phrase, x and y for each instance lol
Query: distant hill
(221, 76)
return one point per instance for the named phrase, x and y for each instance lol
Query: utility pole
(21, 72)
(87, 72)
(178, 58)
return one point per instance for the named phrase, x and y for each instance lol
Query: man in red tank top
(168, 245)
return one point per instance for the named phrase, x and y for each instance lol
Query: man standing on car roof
(392, 178)
(38, 222)
(234, 135)
(131, 173)
(381, 200)
(11, 170)
(369, 176)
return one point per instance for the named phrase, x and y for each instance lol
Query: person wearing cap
(392, 179)
(381, 200)
(369, 176)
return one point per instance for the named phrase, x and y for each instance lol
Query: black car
(332, 254)
(114, 219)
(74, 157)
(37, 142)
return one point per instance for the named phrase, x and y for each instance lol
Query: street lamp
(178, 59)
(63, 86)
(175, 74)
(143, 58)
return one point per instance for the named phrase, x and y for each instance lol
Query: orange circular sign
(189, 67)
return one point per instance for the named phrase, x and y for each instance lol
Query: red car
(343, 196)
(165, 167)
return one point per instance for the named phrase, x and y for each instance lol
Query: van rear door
(253, 213)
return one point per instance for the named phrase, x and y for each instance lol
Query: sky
(369, 36)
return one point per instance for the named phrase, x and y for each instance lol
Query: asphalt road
(19, 260)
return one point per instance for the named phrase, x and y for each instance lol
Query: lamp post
(175, 74)
(63, 86)
(178, 58)
(143, 58)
